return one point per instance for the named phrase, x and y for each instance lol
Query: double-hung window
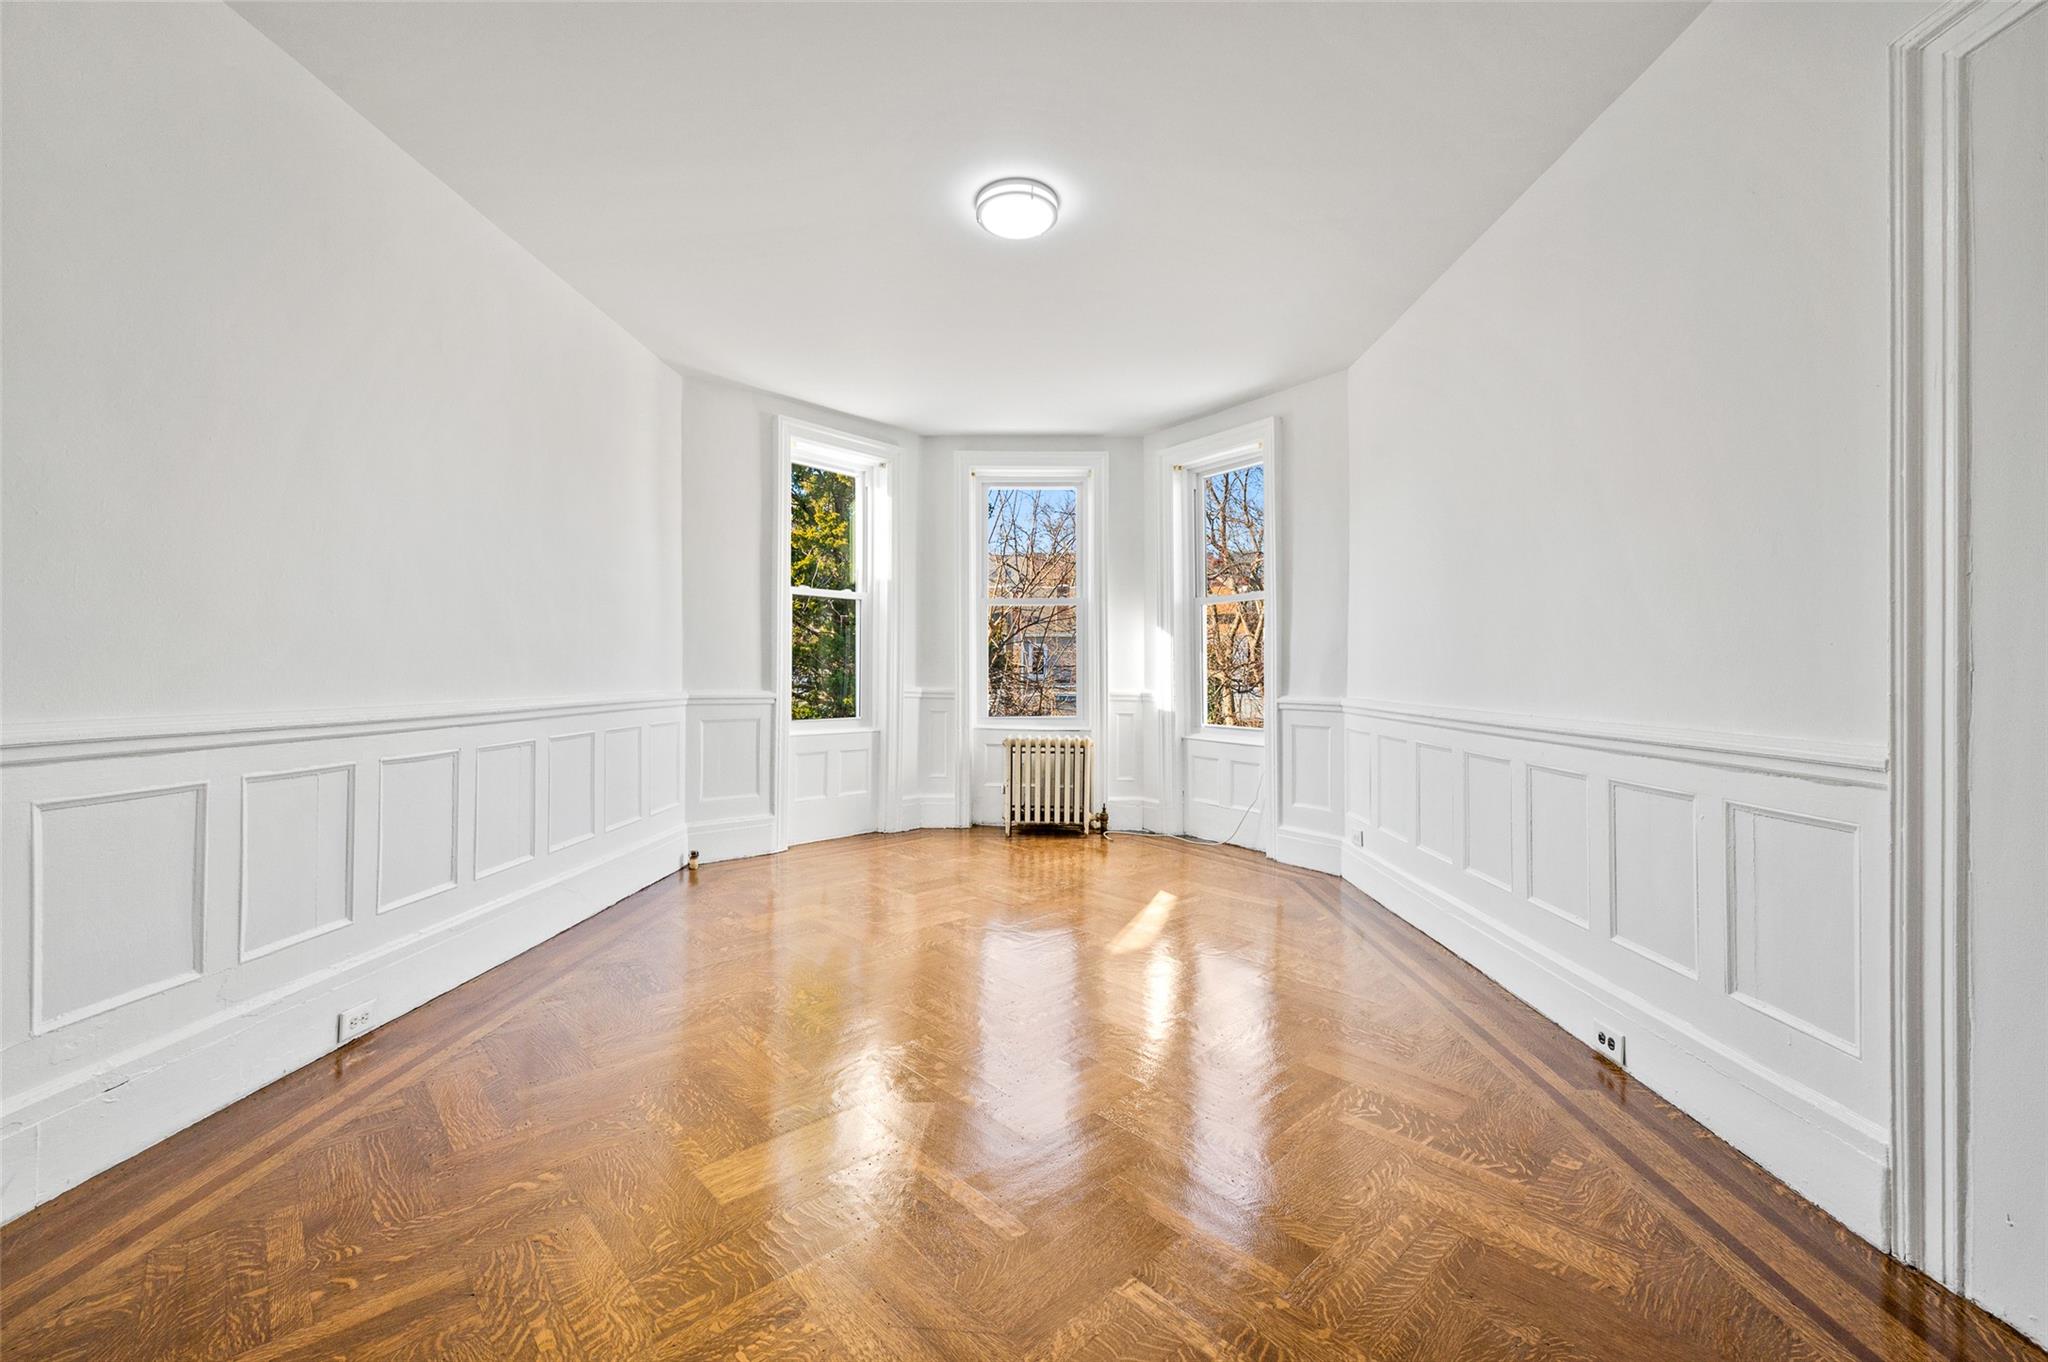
(827, 590)
(1031, 597)
(1231, 525)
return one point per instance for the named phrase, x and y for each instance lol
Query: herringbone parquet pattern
(948, 1096)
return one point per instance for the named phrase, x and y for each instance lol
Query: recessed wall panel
(1436, 800)
(731, 761)
(117, 893)
(811, 774)
(622, 778)
(417, 801)
(1792, 945)
(1308, 767)
(1656, 899)
(1358, 774)
(855, 775)
(1489, 820)
(1394, 788)
(664, 767)
(506, 777)
(297, 836)
(1560, 849)
(572, 788)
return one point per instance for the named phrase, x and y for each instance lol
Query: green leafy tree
(824, 633)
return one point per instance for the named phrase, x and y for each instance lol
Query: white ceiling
(779, 193)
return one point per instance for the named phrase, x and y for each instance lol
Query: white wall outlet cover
(1611, 1043)
(353, 1022)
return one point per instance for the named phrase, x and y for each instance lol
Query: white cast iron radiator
(1048, 780)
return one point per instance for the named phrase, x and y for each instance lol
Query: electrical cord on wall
(1231, 840)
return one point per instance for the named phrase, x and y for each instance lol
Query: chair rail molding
(1930, 74)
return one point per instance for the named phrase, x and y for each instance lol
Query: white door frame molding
(1930, 639)
(880, 672)
(1178, 468)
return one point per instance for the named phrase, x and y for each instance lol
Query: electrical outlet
(353, 1022)
(1611, 1043)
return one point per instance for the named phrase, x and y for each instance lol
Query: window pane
(1235, 648)
(824, 657)
(1033, 661)
(820, 528)
(1032, 541)
(1234, 531)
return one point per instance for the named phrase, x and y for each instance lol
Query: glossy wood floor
(947, 1096)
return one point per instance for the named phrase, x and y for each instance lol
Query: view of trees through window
(824, 605)
(1032, 583)
(1234, 596)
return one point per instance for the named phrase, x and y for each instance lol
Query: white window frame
(1194, 479)
(1087, 571)
(1087, 472)
(805, 454)
(1179, 470)
(873, 462)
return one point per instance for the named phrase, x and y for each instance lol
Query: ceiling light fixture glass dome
(1016, 209)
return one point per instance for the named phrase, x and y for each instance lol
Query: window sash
(1203, 601)
(985, 485)
(858, 547)
(1077, 600)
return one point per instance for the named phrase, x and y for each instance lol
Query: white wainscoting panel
(298, 855)
(1226, 789)
(1312, 785)
(728, 773)
(572, 789)
(1792, 946)
(1654, 871)
(185, 908)
(624, 788)
(1394, 788)
(419, 805)
(1126, 763)
(664, 767)
(1560, 854)
(1490, 820)
(1436, 801)
(1723, 899)
(508, 829)
(832, 783)
(929, 793)
(117, 899)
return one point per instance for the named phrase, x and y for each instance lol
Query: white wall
(324, 436)
(1634, 440)
(1618, 501)
(2005, 1184)
(296, 440)
(730, 560)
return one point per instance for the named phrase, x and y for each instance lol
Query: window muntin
(826, 595)
(1232, 506)
(1031, 589)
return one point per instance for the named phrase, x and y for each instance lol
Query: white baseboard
(733, 839)
(1309, 849)
(930, 811)
(1822, 1150)
(1131, 815)
(68, 1130)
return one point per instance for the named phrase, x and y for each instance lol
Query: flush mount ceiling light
(1016, 209)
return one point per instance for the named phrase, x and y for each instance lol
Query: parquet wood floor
(943, 1095)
